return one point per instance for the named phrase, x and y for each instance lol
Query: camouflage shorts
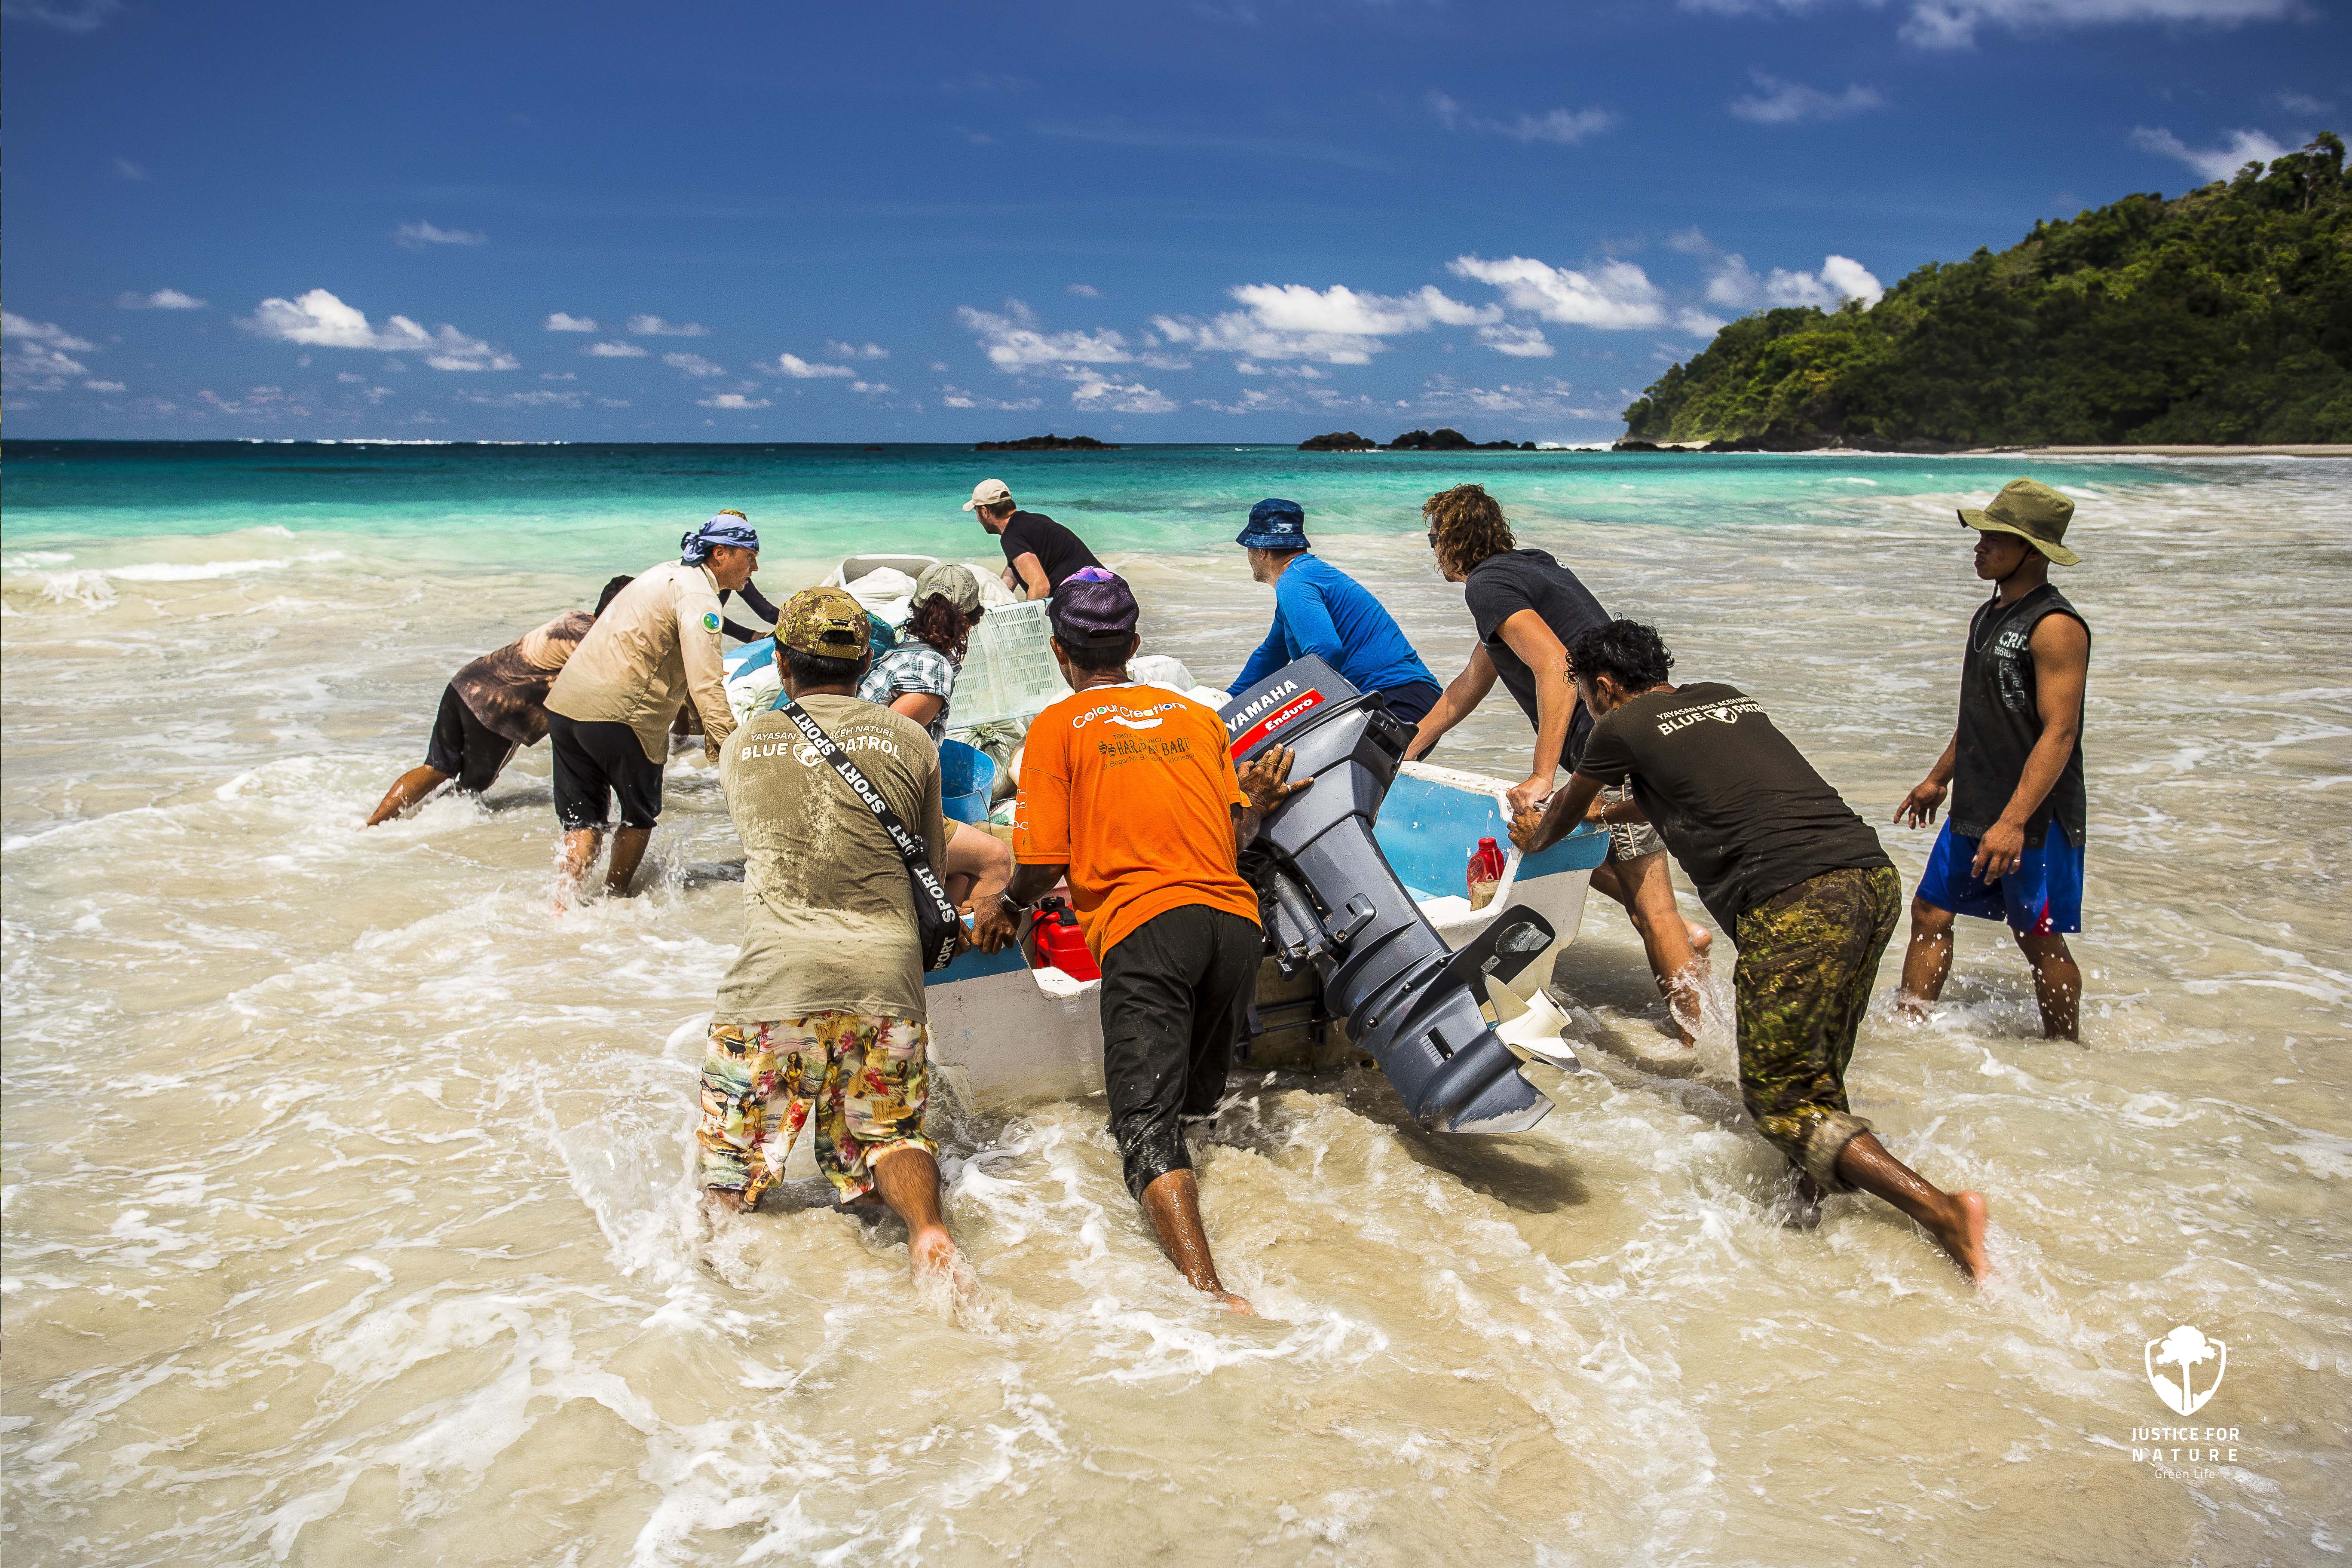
(864, 1075)
(1808, 958)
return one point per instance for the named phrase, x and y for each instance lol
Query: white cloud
(872, 388)
(2295, 102)
(319, 319)
(734, 400)
(957, 397)
(1123, 397)
(1563, 127)
(800, 369)
(615, 349)
(105, 387)
(1083, 290)
(1443, 395)
(655, 327)
(1337, 325)
(564, 322)
(1013, 342)
(559, 375)
(840, 349)
(693, 365)
(1953, 23)
(38, 356)
(543, 398)
(2238, 148)
(129, 170)
(1519, 342)
(161, 300)
(1736, 287)
(1777, 102)
(351, 378)
(66, 15)
(417, 236)
(45, 332)
(1614, 296)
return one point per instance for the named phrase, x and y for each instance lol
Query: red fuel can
(1060, 943)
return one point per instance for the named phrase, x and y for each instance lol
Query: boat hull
(1002, 1033)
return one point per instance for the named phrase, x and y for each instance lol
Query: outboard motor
(1329, 900)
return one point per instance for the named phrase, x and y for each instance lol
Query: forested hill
(2223, 315)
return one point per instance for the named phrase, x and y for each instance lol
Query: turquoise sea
(344, 1209)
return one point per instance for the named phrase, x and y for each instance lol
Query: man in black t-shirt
(1527, 607)
(1039, 552)
(1787, 867)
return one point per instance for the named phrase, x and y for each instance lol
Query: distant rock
(1338, 441)
(1446, 440)
(1637, 447)
(1048, 443)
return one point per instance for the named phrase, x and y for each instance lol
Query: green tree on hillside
(2223, 315)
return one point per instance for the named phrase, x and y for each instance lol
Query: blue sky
(1229, 220)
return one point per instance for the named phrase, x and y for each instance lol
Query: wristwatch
(1012, 907)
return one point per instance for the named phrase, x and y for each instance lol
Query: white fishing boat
(1009, 1028)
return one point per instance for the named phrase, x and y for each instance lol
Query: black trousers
(595, 761)
(1174, 993)
(464, 747)
(1412, 700)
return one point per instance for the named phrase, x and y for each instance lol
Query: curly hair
(1630, 653)
(938, 622)
(1466, 526)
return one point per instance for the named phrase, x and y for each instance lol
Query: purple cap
(1093, 608)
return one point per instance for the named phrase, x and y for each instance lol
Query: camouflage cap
(2031, 510)
(824, 621)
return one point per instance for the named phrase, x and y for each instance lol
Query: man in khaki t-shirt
(823, 1009)
(608, 716)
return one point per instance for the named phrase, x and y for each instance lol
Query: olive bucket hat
(2031, 510)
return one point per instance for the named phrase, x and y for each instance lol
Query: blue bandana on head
(694, 549)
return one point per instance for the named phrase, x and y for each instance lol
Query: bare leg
(406, 790)
(979, 865)
(1957, 1220)
(1646, 888)
(908, 1179)
(724, 1200)
(2057, 984)
(1928, 961)
(628, 849)
(1173, 1204)
(580, 846)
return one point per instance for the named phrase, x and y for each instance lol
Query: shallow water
(345, 1197)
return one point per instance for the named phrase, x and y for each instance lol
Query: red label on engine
(1276, 721)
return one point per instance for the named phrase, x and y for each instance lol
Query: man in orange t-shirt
(1131, 792)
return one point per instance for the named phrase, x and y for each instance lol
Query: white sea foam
(348, 1187)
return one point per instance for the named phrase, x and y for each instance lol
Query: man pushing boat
(1786, 866)
(1129, 790)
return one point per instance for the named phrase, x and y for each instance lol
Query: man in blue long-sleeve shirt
(1321, 610)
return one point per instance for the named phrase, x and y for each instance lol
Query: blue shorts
(2042, 896)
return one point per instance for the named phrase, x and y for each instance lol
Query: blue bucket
(967, 780)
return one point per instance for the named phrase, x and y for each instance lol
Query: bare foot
(1964, 1235)
(1910, 1009)
(1232, 1303)
(931, 1253)
(722, 1200)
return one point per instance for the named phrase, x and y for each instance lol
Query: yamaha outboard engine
(1330, 899)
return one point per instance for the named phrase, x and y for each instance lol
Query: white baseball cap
(988, 492)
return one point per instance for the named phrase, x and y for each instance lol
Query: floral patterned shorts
(865, 1076)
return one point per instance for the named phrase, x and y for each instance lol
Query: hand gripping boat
(1331, 903)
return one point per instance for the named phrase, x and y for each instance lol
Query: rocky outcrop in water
(1048, 443)
(1340, 441)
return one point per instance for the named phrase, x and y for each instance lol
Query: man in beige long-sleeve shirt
(608, 717)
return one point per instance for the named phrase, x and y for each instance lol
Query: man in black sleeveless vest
(2012, 847)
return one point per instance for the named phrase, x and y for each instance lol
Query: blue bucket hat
(727, 528)
(1274, 524)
